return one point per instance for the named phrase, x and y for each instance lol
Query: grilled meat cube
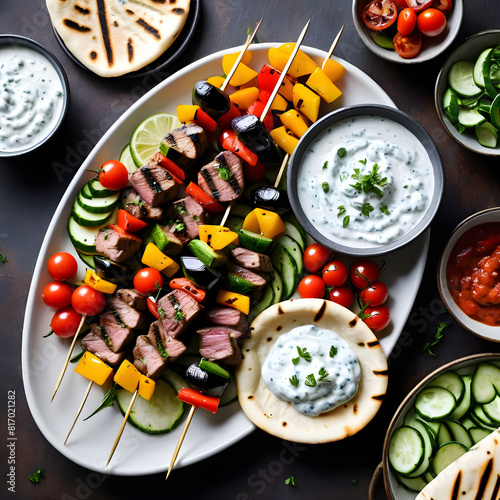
(222, 178)
(154, 184)
(184, 145)
(252, 282)
(168, 347)
(249, 259)
(147, 359)
(174, 245)
(178, 310)
(94, 344)
(137, 207)
(117, 247)
(217, 344)
(130, 316)
(132, 297)
(191, 214)
(230, 317)
(116, 335)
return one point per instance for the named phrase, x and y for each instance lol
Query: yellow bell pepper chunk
(279, 103)
(234, 300)
(146, 387)
(244, 97)
(302, 64)
(334, 70)
(187, 112)
(217, 237)
(97, 283)
(251, 223)
(285, 139)
(322, 85)
(270, 223)
(93, 368)
(243, 73)
(216, 81)
(295, 121)
(127, 376)
(155, 258)
(306, 101)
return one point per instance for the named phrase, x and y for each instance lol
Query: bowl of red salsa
(469, 274)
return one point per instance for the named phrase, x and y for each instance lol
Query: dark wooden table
(30, 189)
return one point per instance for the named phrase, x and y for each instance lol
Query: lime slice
(145, 141)
(127, 160)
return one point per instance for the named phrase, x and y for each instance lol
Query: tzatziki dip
(365, 181)
(31, 98)
(312, 368)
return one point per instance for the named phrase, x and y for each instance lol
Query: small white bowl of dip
(331, 169)
(34, 95)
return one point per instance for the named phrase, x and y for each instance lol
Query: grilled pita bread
(279, 417)
(115, 37)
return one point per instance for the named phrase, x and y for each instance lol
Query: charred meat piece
(222, 178)
(94, 344)
(115, 333)
(168, 347)
(177, 310)
(128, 315)
(244, 280)
(132, 298)
(191, 214)
(230, 317)
(137, 207)
(184, 145)
(217, 344)
(249, 259)
(154, 184)
(171, 244)
(117, 247)
(147, 359)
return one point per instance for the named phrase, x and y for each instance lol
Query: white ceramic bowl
(431, 47)
(476, 327)
(468, 51)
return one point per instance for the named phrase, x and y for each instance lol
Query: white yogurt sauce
(290, 375)
(348, 216)
(31, 97)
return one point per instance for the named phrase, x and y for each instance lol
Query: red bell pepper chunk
(205, 200)
(153, 306)
(204, 120)
(225, 120)
(128, 222)
(268, 78)
(195, 398)
(175, 171)
(254, 173)
(256, 108)
(189, 287)
(122, 231)
(229, 141)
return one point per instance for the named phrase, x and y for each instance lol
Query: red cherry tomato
(57, 295)
(65, 322)
(316, 256)
(431, 22)
(148, 280)
(400, 4)
(407, 20)
(379, 14)
(335, 273)
(113, 175)
(86, 300)
(312, 287)
(379, 317)
(375, 294)
(407, 46)
(419, 5)
(444, 5)
(128, 222)
(62, 266)
(363, 272)
(343, 295)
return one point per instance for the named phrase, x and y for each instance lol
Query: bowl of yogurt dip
(365, 180)
(34, 95)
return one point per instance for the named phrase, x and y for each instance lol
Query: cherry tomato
(62, 266)
(400, 4)
(408, 46)
(379, 317)
(113, 175)
(148, 280)
(363, 272)
(419, 5)
(57, 295)
(312, 287)
(86, 300)
(316, 256)
(375, 294)
(379, 14)
(407, 20)
(431, 22)
(444, 5)
(343, 295)
(335, 273)
(65, 322)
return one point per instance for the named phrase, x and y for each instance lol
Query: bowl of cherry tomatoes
(407, 31)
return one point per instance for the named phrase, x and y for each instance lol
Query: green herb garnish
(37, 476)
(333, 351)
(322, 375)
(366, 209)
(325, 165)
(346, 220)
(290, 481)
(437, 338)
(341, 152)
(384, 210)
(161, 312)
(303, 353)
(325, 187)
(3, 258)
(179, 315)
(224, 172)
(369, 183)
(341, 210)
(310, 380)
(108, 400)
(294, 380)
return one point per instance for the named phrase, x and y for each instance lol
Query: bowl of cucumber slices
(441, 419)
(466, 90)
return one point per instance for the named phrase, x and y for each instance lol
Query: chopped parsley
(384, 210)
(366, 209)
(37, 476)
(437, 338)
(325, 165)
(224, 172)
(371, 182)
(294, 380)
(310, 380)
(179, 227)
(341, 210)
(325, 187)
(322, 375)
(179, 315)
(346, 220)
(161, 312)
(341, 152)
(3, 259)
(333, 351)
(303, 354)
(290, 481)
(181, 209)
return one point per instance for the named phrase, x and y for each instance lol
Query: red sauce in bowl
(473, 273)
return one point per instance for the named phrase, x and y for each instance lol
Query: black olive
(111, 271)
(201, 275)
(210, 99)
(270, 198)
(203, 381)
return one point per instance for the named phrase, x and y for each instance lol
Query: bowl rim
(20, 40)
(465, 361)
(387, 112)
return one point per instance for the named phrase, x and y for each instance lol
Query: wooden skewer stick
(125, 418)
(87, 392)
(66, 362)
(332, 48)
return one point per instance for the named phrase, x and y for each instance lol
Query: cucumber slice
(127, 160)
(429, 447)
(277, 286)
(450, 105)
(87, 259)
(477, 434)
(492, 410)
(412, 483)
(83, 238)
(406, 450)
(254, 241)
(459, 433)
(98, 205)
(461, 79)
(451, 381)
(464, 405)
(478, 67)
(444, 435)
(482, 420)
(239, 285)
(293, 232)
(174, 379)
(161, 414)
(446, 455)
(85, 192)
(266, 300)
(487, 135)
(88, 219)
(470, 117)
(485, 383)
(98, 190)
(435, 403)
(294, 249)
(467, 422)
(286, 266)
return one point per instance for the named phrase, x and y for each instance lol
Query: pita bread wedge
(475, 475)
(279, 417)
(115, 37)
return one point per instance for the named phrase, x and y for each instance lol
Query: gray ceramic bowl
(431, 47)
(318, 129)
(11, 42)
(468, 51)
